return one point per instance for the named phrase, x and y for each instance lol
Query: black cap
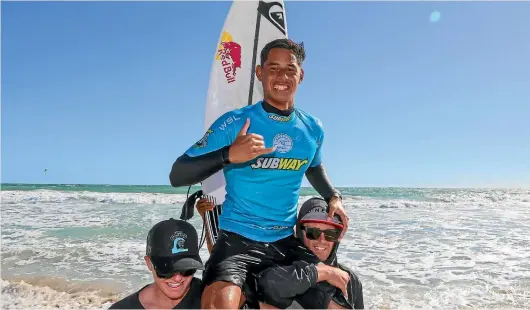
(173, 245)
(315, 210)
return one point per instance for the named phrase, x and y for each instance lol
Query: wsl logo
(283, 143)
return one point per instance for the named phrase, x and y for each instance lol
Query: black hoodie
(281, 284)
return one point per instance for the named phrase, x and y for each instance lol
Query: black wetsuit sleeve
(355, 292)
(189, 170)
(319, 180)
(318, 297)
(280, 284)
(359, 301)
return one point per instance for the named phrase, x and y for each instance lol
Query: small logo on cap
(179, 238)
(318, 210)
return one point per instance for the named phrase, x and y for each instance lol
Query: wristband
(224, 155)
(336, 194)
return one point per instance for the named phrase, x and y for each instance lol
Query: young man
(264, 150)
(281, 284)
(172, 256)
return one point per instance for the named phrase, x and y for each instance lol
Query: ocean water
(82, 246)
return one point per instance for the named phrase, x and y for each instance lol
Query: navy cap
(173, 245)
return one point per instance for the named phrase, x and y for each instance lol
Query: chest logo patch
(275, 163)
(283, 143)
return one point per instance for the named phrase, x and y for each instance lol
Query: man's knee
(263, 305)
(221, 295)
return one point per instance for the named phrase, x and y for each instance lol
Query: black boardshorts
(237, 259)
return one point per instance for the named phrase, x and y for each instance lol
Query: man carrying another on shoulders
(280, 284)
(264, 150)
(172, 256)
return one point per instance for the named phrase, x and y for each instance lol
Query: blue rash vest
(262, 194)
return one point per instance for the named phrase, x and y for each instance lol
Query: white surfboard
(249, 25)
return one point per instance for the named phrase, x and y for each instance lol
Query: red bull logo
(229, 53)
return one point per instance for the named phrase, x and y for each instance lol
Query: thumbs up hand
(247, 146)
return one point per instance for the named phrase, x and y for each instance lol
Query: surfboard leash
(184, 213)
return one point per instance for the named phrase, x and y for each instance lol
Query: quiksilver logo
(274, 13)
(280, 118)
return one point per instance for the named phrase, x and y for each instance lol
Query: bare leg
(242, 300)
(221, 295)
(263, 305)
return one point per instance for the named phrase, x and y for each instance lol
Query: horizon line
(307, 186)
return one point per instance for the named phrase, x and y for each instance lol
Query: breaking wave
(51, 196)
(430, 198)
(54, 293)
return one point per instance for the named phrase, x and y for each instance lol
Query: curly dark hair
(296, 48)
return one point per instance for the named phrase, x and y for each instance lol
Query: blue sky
(114, 92)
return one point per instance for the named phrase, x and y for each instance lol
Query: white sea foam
(51, 196)
(472, 198)
(50, 293)
(469, 249)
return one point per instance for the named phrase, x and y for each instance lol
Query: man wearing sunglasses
(172, 256)
(340, 287)
(279, 286)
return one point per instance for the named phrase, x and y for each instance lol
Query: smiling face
(280, 76)
(175, 287)
(320, 247)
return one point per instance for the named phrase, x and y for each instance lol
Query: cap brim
(188, 263)
(322, 222)
(168, 265)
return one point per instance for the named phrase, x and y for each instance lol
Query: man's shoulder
(129, 302)
(193, 297)
(239, 111)
(196, 287)
(312, 121)
(196, 284)
(232, 119)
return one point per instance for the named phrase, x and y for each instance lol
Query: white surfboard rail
(249, 25)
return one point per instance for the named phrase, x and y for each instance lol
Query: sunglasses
(313, 233)
(184, 273)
